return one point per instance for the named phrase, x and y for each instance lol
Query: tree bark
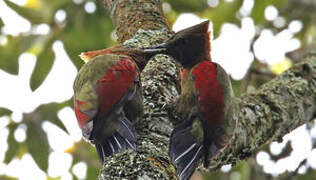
(275, 109)
(141, 23)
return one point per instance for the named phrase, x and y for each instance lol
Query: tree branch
(131, 15)
(275, 109)
(143, 24)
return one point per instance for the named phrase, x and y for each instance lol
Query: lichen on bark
(132, 15)
(275, 109)
(141, 23)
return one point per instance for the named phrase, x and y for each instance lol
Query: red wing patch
(115, 83)
(210, 93)
(81, 117)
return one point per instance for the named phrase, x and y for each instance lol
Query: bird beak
(156, 49)
(84, 57)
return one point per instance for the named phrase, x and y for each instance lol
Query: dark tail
(212, 151)
(185, 152)
(124, 138)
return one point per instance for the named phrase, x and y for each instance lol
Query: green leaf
(259, 7)
(4, 111)
(42, 15)
(12, 50)
(7, 178)
(48, 112)
(37, 143)
(243, 169)
(257, 12)
(74, 177)
(92, 173)
(45, 58)
(83, 151)
(50, 178)
(14, 146)
(310, 174)
(79, 37)
(57, 4)
(44, 64)
(1, 23)
(9, 56)
(188, 6)
(223, 13)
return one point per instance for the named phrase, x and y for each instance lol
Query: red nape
(211, 93)
(115, 83)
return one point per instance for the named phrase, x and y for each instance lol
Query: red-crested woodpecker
(108, 97)
(205, 102)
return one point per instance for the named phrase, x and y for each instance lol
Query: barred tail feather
(124, 138)
(185, 152)
(212, 151)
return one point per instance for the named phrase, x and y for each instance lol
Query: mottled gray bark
(141, 23)
(275, 109)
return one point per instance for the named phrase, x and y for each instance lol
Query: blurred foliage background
(79, 25)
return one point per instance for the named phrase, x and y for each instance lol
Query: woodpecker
(205, 103)
(108, 97)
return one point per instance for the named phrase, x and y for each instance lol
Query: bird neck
(189, 64)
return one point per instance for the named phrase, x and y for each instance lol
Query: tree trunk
(275, 109)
